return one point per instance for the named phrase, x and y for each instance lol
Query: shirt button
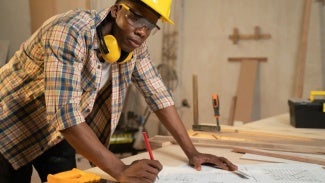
(87, 110)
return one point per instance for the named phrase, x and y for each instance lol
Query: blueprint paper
(264, 173)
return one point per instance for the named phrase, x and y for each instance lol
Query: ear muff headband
(110, 50)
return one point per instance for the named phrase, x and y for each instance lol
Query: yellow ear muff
(114, 51)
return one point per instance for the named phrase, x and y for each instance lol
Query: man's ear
(114, 10)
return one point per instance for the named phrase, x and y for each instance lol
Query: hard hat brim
(162, 7)
(167, 20)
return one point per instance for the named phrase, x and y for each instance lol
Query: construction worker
(64, 89)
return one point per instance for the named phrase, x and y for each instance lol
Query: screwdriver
(215, 104)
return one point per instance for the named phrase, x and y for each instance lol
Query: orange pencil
(148, 147)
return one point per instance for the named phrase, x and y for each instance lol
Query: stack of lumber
(255, 142)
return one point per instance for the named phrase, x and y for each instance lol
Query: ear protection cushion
(110, 50)
(114, 51)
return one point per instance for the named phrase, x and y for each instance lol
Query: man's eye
(134, 18)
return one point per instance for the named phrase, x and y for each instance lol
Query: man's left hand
(200, 159)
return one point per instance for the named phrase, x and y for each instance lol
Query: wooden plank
(236, 36)
(215, 141)
(245, 90)
(302, 52)
(279, 155)
(41, 10)
(231, 118)
(245, 87)
(238, 59)
(254, 136)
(195, 100)
(88, 4)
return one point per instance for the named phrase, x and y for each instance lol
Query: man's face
(134, 23)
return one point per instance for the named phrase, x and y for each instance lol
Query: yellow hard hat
(162, 7)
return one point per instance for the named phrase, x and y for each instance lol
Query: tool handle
(215, 104)
(314, 93)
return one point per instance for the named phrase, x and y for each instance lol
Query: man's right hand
(86, 143)
(141, 171)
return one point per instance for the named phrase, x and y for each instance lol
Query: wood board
(254, 139)
(299, 158)
(302, 52)
(245, 87)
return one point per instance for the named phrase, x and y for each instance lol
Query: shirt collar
(102, 15)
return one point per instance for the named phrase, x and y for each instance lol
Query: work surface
(224, 143)
(173, 156)
(175, 169)
(280, 124)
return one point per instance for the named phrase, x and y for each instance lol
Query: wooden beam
(41, 10)
(236, 36)
(245, 87)
(231, 118)
(302, 51)
(216, 141)
(238, 59)
(195, 100)
(281, 155)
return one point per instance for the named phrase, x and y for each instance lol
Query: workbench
(171, 154)
(280, 124)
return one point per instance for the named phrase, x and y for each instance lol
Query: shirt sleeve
(65, 50)
(149, 82)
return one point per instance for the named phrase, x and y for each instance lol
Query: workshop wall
(42, 10)
(204, 48)
(14, 23)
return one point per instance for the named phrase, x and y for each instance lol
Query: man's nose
(142, 31)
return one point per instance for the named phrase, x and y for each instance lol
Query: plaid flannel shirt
(52, 83)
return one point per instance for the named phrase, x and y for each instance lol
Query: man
(67, 84)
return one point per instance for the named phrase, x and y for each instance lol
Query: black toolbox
(308, 113)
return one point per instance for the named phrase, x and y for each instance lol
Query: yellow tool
(73, 176)
(319, 93)
(208, 127)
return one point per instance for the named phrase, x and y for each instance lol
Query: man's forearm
(171, 120)
(86, 143)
